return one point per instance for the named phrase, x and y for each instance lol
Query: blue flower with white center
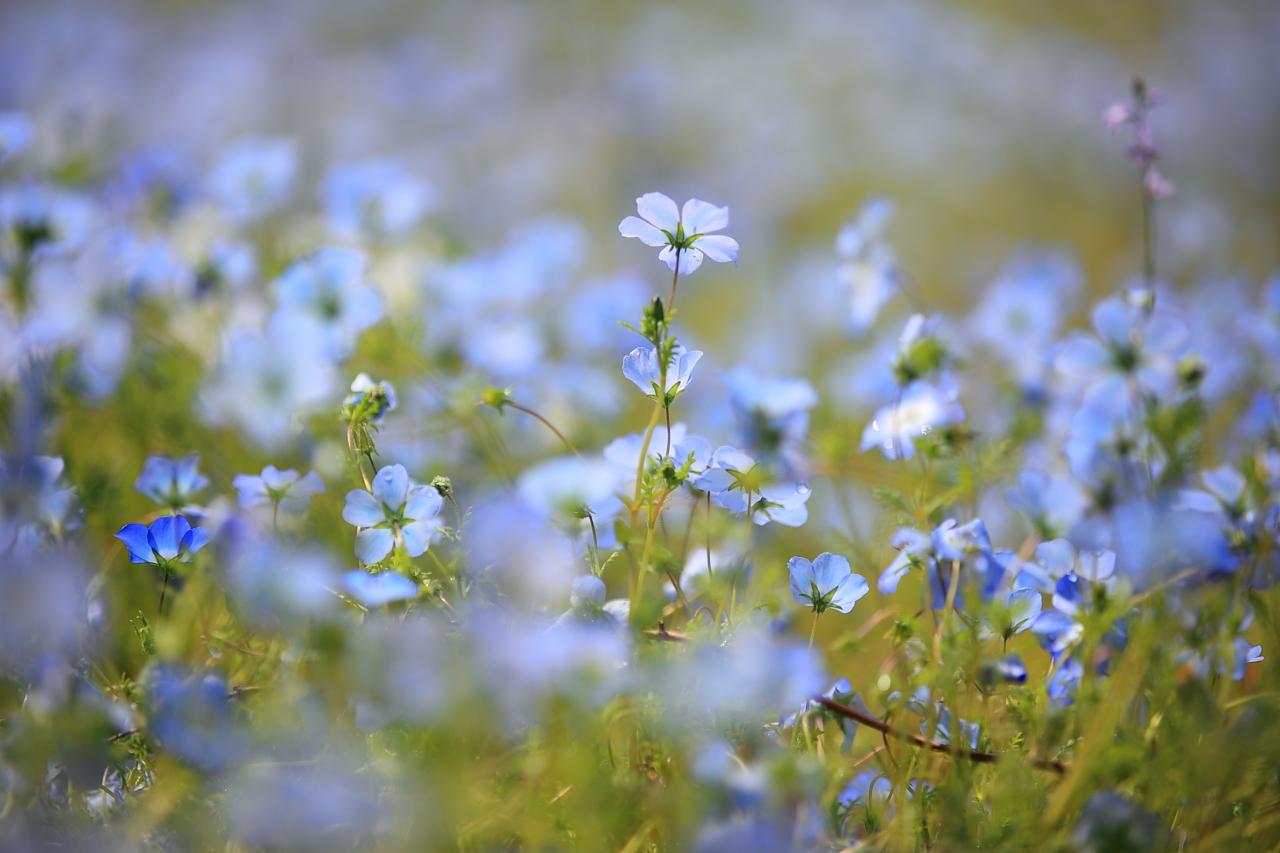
(1130, 343)
(1051, 504)
(734, 482)
(172, 483)
(868, 270)
(1223, 494)
(287, 489)
(168, 540)
(330, 286)
(396, 512)
(1056, 631)
(369, 398)
(380, 589)
(254, 177)
(1010, 669)
(920, 410)
(685, 235)
(644, 368)
(379, 198)
(827, 583)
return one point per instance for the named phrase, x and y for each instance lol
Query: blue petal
(377, 590)
(362, 509)
(391, 486)
(134, 537)
(374, 543)
(165, 535)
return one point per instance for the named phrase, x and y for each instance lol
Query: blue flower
(286, 489)
(642, 366)
(192, 717)
(375, 197)
(919, 411)
(732, 480)
(868, 271)
(685, 235)
(826, 583)
(15, 134)
(172, 483)
(397, 511)
(1056, 631)
(169, 539)
(254, 177)
(330, 286)
(377, 590)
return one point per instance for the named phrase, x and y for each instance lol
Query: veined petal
(633, 226)
(391, 486)
(165, 535)
(373, 543)
(801, 571)
(195, 539)
(418, 535)
(424, 503)
(829, 570)
(849, 592)
(659, 210)
(701, 217)
(134, 537)
(718, 247)
(362, 509)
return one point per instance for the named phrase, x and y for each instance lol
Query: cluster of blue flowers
(531, 545)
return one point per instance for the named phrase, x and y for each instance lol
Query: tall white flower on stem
(685, 234)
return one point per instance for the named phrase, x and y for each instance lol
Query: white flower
(684, 235)
(921, 409)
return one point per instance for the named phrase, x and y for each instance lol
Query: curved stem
(558, 434)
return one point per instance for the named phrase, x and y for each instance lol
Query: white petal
(718, 247)
(700, 217)
(635, 227)
(659, 210)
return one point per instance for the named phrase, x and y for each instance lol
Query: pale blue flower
(287, 489)
(643, 367)
(375, 197)
(920, 411)
(685, 235)
(380, 395)
(726, 478)
(330, 286)
(380, 589)
(172, 483)
(254, 177)
(868, 271)
(396, 511)
(826, 583)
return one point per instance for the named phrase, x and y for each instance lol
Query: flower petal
(635, 227)
(362, 509)
(391, 486)
(134, 537)
(417, 536)
(701, 217)
(373, 543)
(659, 210)
(718, 247)
(423, 504)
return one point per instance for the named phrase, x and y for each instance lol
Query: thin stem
(1148, 234)
(164, 587)
(813, 629)
(675, 278)
(595, 545)
(710, 574)
(547, 424)
(974, 755)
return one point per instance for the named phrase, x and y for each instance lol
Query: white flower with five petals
(685, 235)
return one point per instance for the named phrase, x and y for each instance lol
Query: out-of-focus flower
(826, 583)
(172, 483)
(643, 367)
(167, 540)
(737, 484)
(330, 287)
(35, 505)
(287, 489)
(377, 590)
(191, 716)
(16, 134)
(379, 198)
(1130, 345)
(921, 409)
(396, 511)
(254, 177)
(868, 270)
(685, 235)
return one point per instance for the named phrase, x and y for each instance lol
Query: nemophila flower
(264, 386)
(1020, 314)
(868, 269)
(737, 484)
(1052, 504)
(1057, 568)
(1223, 494)
(276, 584)
(192, 717)
(840, 691)
(370, 399)
(168, 540)
(254, 177)
(330, 286)
(287, 489)
(1009, 669)
(1064, 681)
(643, 366)
(380, 589)
(1130, 346)
(35, 504)
(580, 493)
(1056, 631)
(397, 511)
(16, 133)
(920, 410)
(685, 235)
(38, 220)
(376, 197)
(172, 483)
(827, 583)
